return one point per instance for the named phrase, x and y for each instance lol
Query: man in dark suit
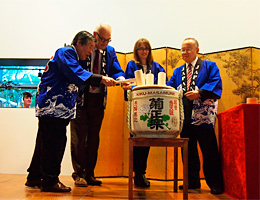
(201, 84)
(90, 109)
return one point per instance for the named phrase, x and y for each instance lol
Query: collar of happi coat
(193, 78)
(103, 62)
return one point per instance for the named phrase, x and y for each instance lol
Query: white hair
(103, 26)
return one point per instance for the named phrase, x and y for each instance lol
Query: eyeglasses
(103, 39)
(143, 49)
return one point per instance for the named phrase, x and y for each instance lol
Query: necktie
(96, 63)
(189, 75)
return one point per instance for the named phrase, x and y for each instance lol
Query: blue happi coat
(132, 67)
(58, 88)
(207, 78)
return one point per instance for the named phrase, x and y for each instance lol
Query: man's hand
(192, 95)
(107, 81)
(126, 86)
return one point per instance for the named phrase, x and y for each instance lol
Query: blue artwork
(14, 80)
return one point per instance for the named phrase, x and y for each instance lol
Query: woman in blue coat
(143, 60)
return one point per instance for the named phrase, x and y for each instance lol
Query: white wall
(36, 28)
(17, 140)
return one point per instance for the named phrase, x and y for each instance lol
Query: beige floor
(12, 187)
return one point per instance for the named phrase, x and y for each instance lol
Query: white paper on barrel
(154, 110)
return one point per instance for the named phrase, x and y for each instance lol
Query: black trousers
(211, 156)
(85, 136)
(140, 155)
(49, 150)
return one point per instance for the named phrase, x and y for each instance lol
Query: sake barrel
(154, 112)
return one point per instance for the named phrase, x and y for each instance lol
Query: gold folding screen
(240, 72)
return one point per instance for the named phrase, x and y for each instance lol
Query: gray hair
(103, 26)
(84, 37)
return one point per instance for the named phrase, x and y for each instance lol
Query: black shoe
(58, 187)
(190, 186)
(216, 190)
(141, 181)
(34, 183)
(92, 181)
